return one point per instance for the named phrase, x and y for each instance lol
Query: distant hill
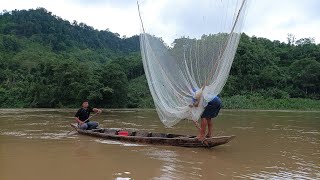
(46, 61)
(44, 27)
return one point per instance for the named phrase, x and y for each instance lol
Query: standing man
(211, 110)
(83, 114)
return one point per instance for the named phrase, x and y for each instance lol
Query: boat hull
(155, 138)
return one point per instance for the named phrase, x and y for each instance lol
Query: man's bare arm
(96, 110)
(78, 120)
(196, 124)
(196, 104)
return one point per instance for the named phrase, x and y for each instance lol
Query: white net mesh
(186, 45)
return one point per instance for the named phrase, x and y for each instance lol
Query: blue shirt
(213, 98)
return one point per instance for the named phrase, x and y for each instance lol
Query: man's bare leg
(203, 128)
(209, 121)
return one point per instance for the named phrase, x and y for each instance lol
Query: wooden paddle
(90, 117)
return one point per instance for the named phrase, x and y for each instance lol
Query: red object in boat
(123, 133)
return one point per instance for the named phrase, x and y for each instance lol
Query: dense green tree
(305, 76)
(138, 93)
(113, 76)
(46, 61)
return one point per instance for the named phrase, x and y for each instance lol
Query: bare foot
(208, 136)
(200, 138)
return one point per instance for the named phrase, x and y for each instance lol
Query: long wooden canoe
(154, 138)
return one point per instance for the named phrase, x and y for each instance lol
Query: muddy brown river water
(269, 145)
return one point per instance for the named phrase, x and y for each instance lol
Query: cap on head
(196, 93)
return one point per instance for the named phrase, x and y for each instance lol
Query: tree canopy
(46, 61)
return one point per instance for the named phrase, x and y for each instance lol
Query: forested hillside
(46, 61)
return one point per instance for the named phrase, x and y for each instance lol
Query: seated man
(83, 114)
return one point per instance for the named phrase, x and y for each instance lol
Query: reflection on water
(104, 141)
(269, 145)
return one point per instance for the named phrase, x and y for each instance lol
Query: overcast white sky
(272, 19)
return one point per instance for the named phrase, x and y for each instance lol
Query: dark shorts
(212, 109)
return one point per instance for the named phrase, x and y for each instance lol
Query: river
(35, 145)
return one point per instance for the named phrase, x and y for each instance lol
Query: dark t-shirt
(83, 114)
